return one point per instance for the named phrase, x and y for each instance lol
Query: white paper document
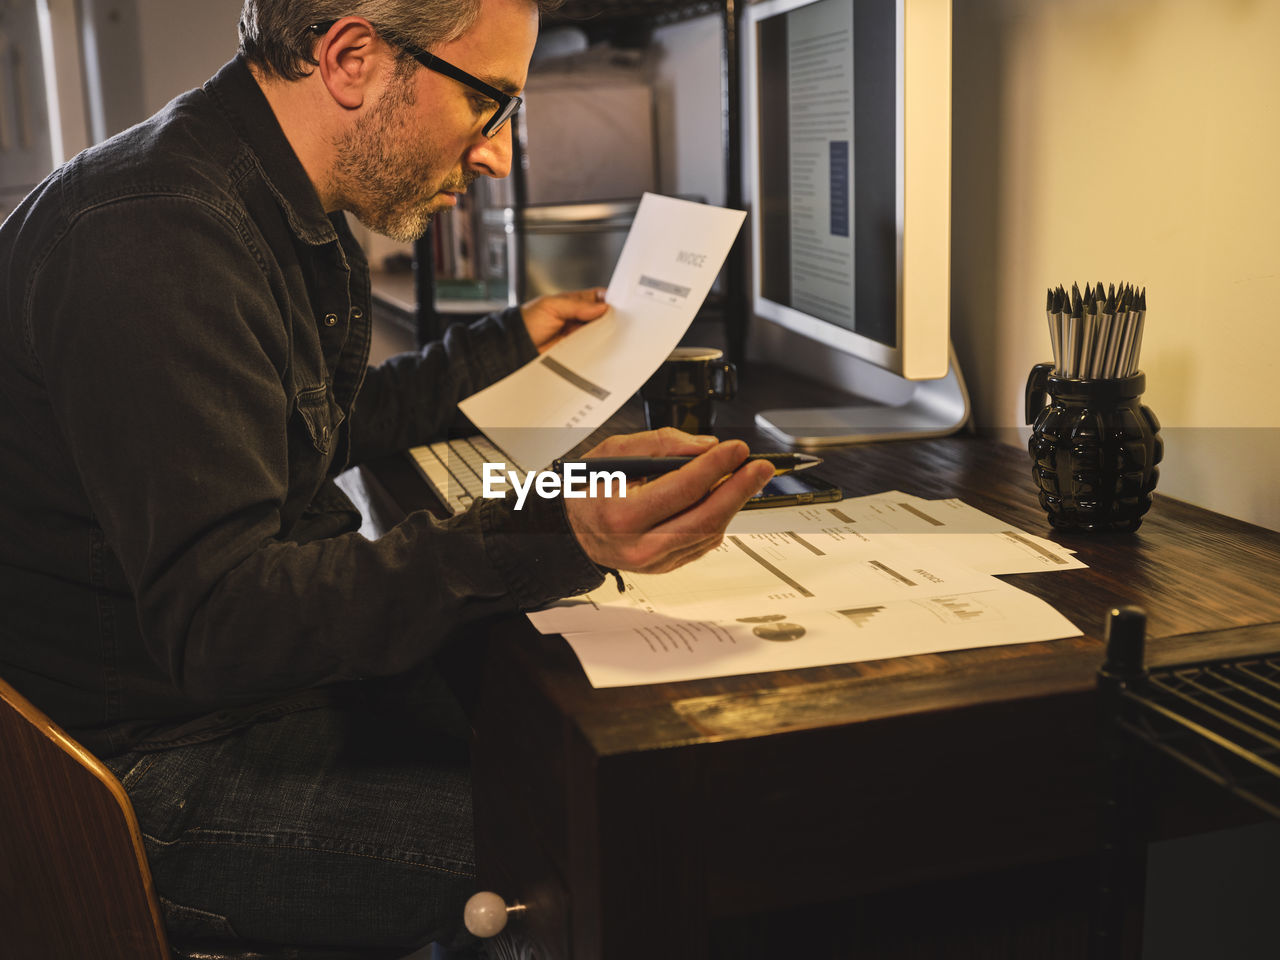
(888, 512)
(671, 257)
(748, 571)
(901, 521)
(780, 637)
(867, 578)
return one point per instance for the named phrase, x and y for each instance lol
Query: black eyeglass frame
(507, 103)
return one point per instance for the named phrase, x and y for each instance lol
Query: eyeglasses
(506, 104)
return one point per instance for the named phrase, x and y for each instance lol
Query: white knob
(486, 914)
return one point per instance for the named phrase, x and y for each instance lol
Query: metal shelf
(652, 12)
(1218, 718)
(620, 16)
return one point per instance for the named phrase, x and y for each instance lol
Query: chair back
(74, 881)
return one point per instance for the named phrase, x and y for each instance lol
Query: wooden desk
(946, 801)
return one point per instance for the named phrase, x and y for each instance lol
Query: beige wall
(1129, 140)
(184, 42)
(687, 109)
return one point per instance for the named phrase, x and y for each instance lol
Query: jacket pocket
(321, 415)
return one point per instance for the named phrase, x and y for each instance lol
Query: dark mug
(1094, 448)
(682, 391)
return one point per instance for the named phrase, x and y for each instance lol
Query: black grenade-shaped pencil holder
(1094, 449)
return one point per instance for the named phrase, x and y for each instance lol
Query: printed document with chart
(867, 578)
(670, 259)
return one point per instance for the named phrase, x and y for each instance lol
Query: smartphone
(790, 489)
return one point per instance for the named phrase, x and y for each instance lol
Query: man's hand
(551, 318)
(665, 522)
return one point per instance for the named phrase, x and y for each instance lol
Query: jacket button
(330, 319)
(356, 313)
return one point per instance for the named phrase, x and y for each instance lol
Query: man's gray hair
(275, 35)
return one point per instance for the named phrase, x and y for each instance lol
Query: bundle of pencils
(1096, 336)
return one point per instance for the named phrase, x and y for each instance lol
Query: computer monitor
(847, 163)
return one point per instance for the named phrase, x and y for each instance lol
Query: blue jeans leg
(327, 827)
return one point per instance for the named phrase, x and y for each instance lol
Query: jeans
(337, 826)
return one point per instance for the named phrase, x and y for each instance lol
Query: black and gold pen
(637, 467)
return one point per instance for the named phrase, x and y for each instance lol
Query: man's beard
(385, 172)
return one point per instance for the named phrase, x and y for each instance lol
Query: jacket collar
(242, 101)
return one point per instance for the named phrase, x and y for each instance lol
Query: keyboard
(453, 469)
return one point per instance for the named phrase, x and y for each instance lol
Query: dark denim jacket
(183, 344)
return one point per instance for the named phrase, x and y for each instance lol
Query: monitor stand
(891, 408)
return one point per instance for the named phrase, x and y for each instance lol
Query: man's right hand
(670, 520)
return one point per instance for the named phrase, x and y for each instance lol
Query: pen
(636, 467)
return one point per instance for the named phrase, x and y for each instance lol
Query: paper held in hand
(671, 257)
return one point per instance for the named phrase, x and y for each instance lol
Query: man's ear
(349, 57)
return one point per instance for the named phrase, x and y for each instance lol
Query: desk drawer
(512, 856)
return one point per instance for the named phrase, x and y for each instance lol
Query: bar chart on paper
(861, 616)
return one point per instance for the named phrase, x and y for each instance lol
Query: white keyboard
(453, 468)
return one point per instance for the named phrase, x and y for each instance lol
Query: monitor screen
(826, 199)
(848, 173)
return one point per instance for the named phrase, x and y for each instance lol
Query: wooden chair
(74, 880)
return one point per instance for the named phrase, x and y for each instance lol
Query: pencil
(1096, 335)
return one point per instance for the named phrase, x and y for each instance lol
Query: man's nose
(491, 156)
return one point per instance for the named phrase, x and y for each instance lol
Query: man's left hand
(551, 318)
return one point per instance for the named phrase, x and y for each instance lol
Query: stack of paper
(888, 575)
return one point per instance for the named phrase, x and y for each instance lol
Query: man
(183, 341)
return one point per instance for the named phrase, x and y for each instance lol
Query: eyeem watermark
(575, 483)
